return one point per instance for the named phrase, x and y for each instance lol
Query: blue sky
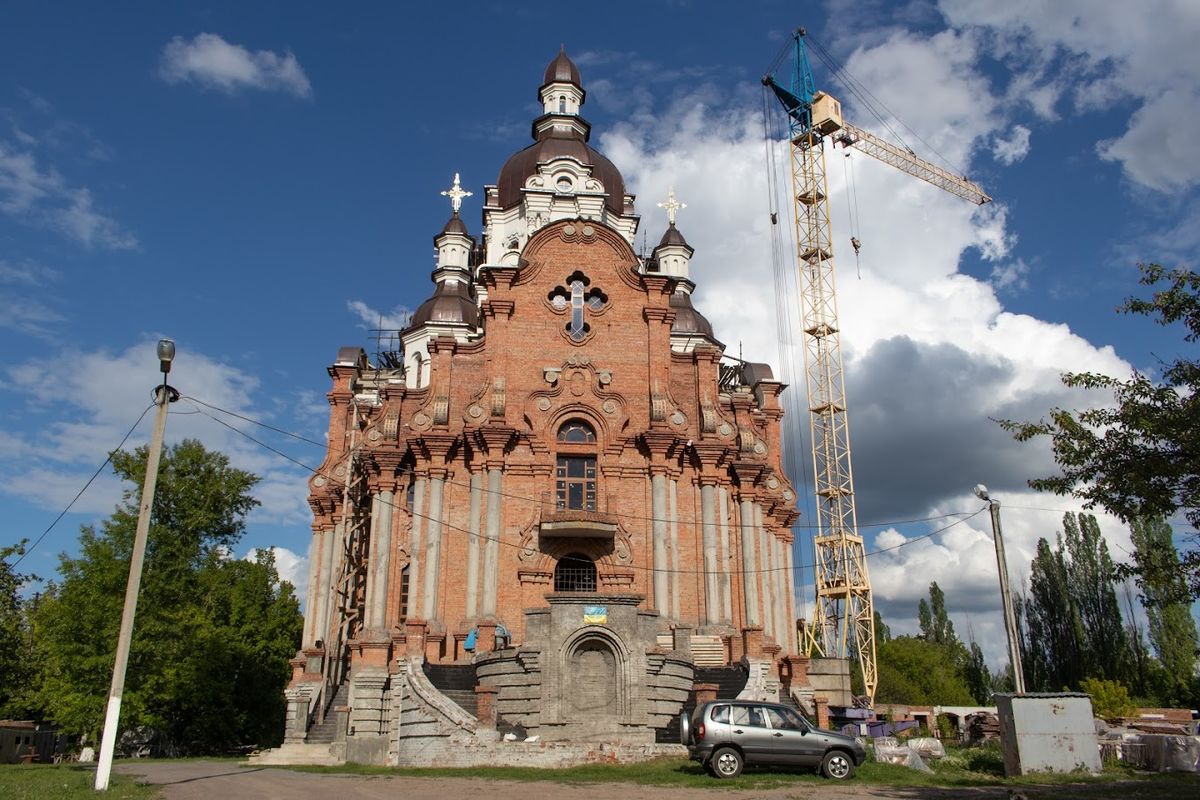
(261, 183)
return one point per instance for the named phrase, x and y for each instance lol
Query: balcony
(575, 523)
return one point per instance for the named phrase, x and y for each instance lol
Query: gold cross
(456, 194)
(672, 206)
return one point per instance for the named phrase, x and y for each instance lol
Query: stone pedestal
(296, 723)
(681, 639)
(793, 672)
(434, 646)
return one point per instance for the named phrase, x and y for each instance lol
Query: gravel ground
(225, 780)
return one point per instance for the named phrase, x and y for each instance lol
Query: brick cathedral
(559, 515)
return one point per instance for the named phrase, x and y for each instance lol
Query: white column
(334, 547)
(673, 550)
(790, 553)
(415, 553)
(764, 573)
(491, 548)
(433, 548)
(726, 583)
(310, 597)
(372, 548)
(712, 586)
(658, 510)
(381, 557)
(473, 544)
(749, 533)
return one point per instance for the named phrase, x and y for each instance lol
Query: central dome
(555, 141)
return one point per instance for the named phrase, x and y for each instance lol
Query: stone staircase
(324, 732)
(456, 682)
(730, 681)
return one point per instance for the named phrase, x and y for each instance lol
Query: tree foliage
(1071, 622)
(213, 635)
(1139, 457)
(15, 658)
(931, 668)
(1168, 612)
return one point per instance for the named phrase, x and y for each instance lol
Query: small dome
(562, 70)
(455, 225)
(452, 302)
(673, 237)
(687, 318)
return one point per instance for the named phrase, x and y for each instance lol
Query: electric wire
(634, 567)
(89, 482)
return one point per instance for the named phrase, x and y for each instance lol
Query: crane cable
(786, 296)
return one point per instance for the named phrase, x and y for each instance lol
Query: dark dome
(557, 144)
(452, 302)
(673, 237)
(687, 318)
(562, 70)
(455, 225)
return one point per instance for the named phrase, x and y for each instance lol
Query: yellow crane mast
(843, 615)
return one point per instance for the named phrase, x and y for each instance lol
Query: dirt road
(217, 780)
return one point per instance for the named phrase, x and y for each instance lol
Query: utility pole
(1010, 617)
(164, 395)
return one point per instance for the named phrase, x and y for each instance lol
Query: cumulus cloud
(210, 61)
(931, 355)
(1011, 149)
(39, 196)
(1101, 55)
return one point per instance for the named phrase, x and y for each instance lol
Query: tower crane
(843, 615)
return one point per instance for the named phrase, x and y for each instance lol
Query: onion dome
(562, 70)
(554, 145)
(454, 225)
(687, 319)
(453, 303)
(673, 238)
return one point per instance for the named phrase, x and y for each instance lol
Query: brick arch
(581, 411)
(600, 551)
(604, 640)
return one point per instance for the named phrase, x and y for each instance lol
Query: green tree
(1164, 596)
(1141, 456)
(1110, 699)
(916, 671)
(935, 622)
(1052, 630)
(977, 675)
(209, 655)
(1091, 577)
(15, 655)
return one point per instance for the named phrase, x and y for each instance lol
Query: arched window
(562, 104)
(575, 572)
(575, 472)
(404, 592)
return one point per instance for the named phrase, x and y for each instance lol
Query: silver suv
(725, 735)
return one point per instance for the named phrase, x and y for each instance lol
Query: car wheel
(726, 763)
(837, 765)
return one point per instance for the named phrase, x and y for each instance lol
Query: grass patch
(66, 781)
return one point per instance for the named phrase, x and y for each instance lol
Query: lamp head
(982, 493)
(166, 354)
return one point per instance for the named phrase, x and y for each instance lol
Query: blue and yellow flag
(595, 615)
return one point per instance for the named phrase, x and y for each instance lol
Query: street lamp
(1010, 618)
(164, 395)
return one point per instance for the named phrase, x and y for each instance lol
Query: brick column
(485, 636)
(415, 552)
(433, 545)
(752, 641)
(822, 704)
(705, 692)
(725, 556)
(485, 699)
(708, 516)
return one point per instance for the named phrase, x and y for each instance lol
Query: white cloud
(41, 197)
(1012, 149)
(70, 423)
(1139, 56)
(209, 60)
(394, 320)
(931, 355)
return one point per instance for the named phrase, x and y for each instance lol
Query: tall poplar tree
(1091, 577)
(1165, 596)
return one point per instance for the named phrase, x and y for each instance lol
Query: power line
(79, 494)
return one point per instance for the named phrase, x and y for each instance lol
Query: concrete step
(292, 754)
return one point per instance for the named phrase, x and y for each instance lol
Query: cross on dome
(672, 206)
(456, 194)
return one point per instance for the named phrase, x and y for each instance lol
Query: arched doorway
(575, 572)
